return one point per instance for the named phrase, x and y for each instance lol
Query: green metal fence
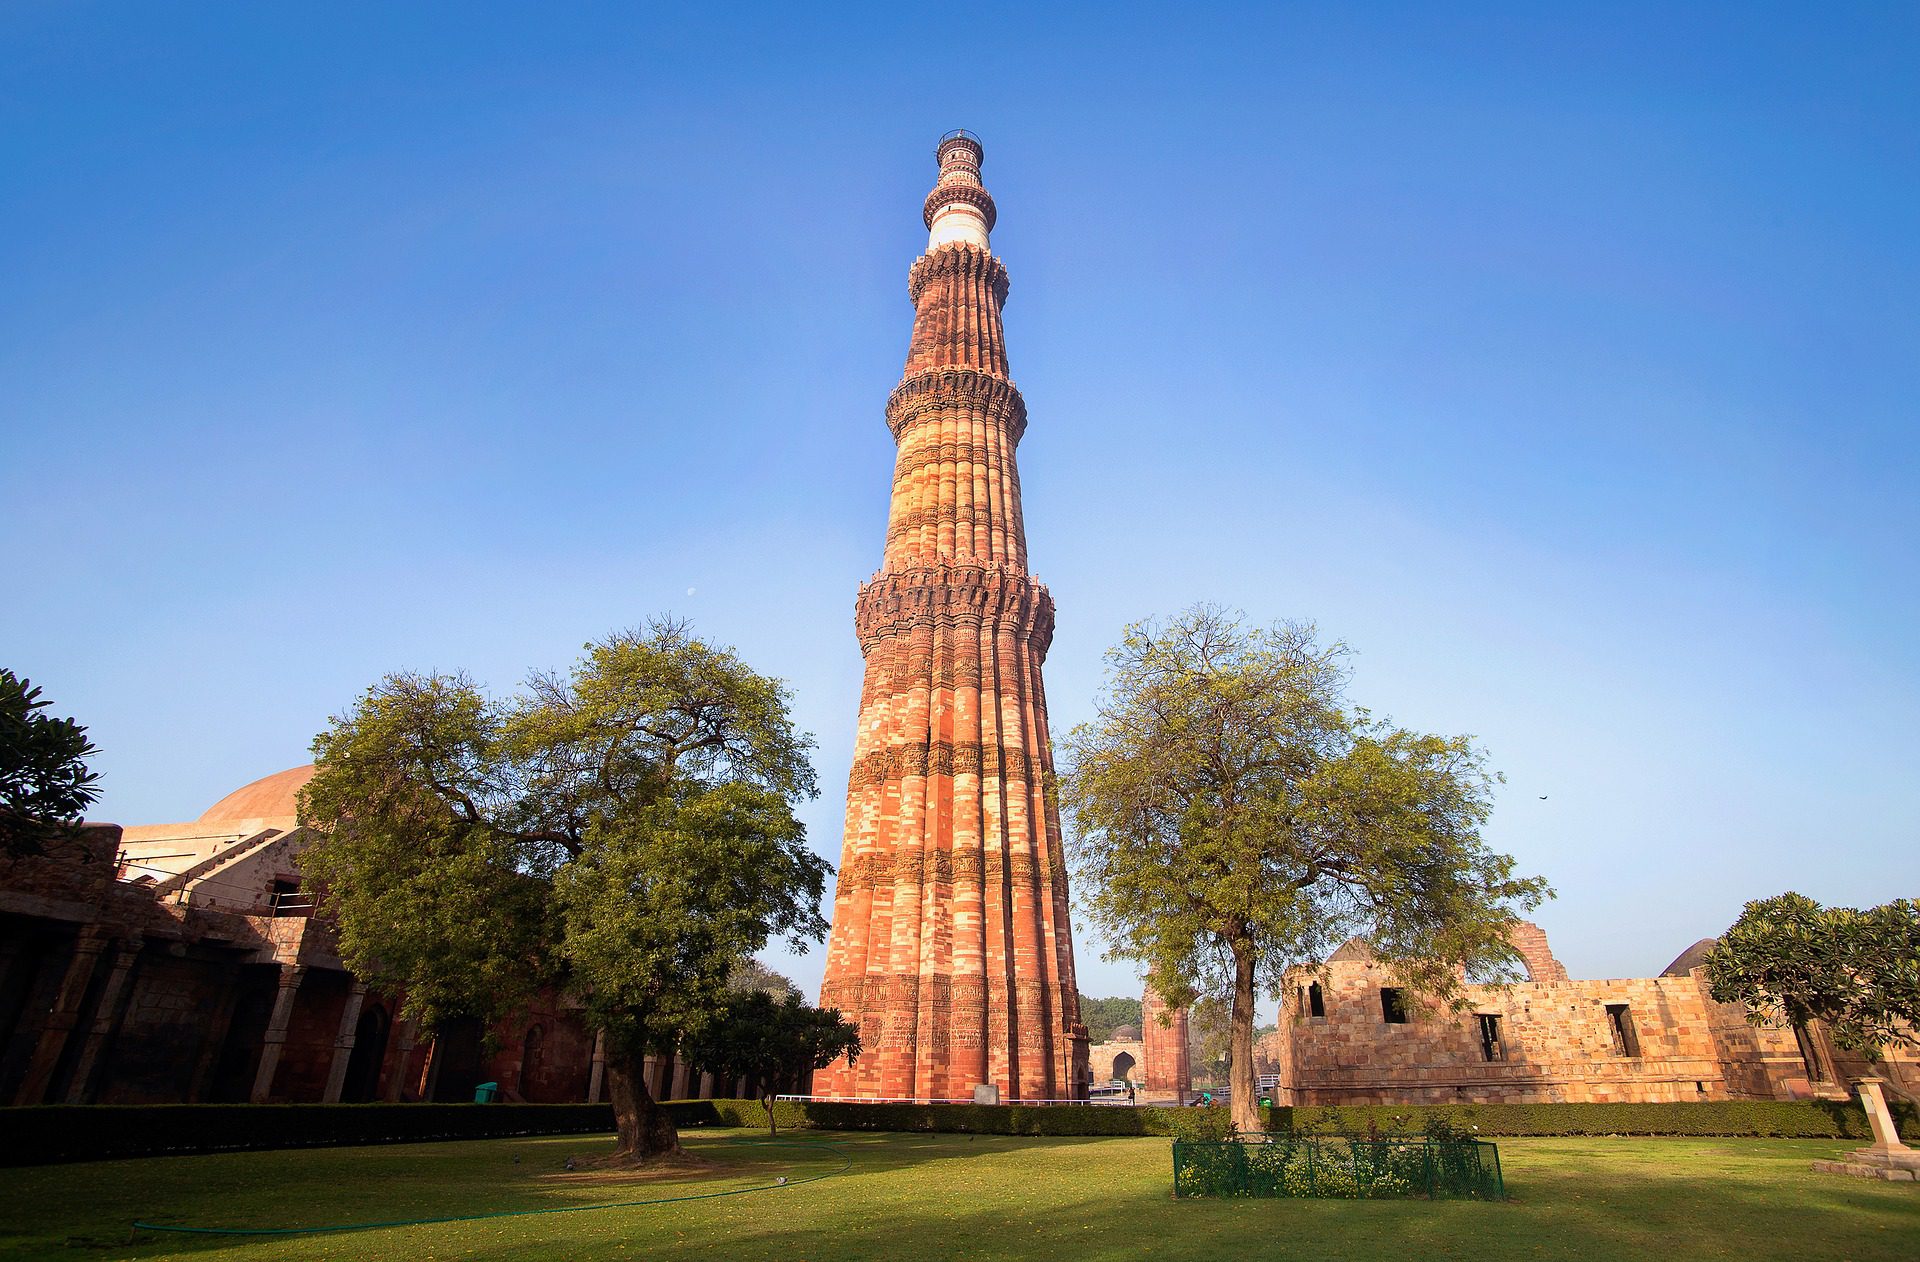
(1333, 1165)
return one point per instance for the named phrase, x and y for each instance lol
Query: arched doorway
(1123, 1065)
(533, 1058)
(369, 1050)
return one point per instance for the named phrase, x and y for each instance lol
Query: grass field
(948, 1196)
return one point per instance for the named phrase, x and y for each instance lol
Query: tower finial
(959, 208)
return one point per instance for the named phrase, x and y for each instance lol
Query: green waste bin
(486, 1093)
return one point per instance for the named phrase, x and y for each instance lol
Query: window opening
(1316, 1001)
(1393, 1010)
(1492, 1046)
(1626, 1040)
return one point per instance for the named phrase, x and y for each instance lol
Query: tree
(45, 786)
(770, 1040)
(1103, 1016)
(751, 974)
(625, 831)
(1858, 972)
(1210, 1037)
(1230, 815)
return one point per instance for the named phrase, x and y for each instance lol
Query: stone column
(598, 1077)
(107, 1015)
(61, 1019)
(682, 1080)
(343, 1041)
(706, 1086)
(430, 1072)
(1886, 1135)
(276, 1037)
(402, 1053)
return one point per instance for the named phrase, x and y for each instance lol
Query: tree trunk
(646, 1129)
(1245, 1104)
(773, 1126)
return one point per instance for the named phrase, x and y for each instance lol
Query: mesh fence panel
(1349, 1166)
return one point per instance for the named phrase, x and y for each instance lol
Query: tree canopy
(1103, 1016)
(625, 831)
(1858, 972)
(45, 785)
(771, 1040)
(1232, 814)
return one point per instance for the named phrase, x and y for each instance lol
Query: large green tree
(1231, 814)
(625, 831)
(45, 785)
(771, 1041)
(1856, 971)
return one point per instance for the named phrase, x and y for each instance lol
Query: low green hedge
(973, 1119)
(94, 1132)
(1797, 1119)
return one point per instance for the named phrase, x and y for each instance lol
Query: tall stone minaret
(951, 942)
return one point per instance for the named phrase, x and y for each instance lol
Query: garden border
(47, 1134)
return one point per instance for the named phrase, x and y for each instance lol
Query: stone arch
(1123, 1065)
(1536, 957)
(533, 1059)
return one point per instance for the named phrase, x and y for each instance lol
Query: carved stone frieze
(894, 604)
(957, 260)
(933, 392)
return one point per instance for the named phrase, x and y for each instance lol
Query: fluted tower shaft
(952, 944)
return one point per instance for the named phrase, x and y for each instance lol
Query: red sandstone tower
(1166, 1062)
(951, 942)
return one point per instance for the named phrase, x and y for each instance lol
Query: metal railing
(1294, 1163)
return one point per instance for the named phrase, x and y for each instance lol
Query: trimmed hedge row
(45, 1134)
(93, 1132)
(974, 1119)
(1781, 1119)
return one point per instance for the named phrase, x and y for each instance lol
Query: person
(1130, 1098)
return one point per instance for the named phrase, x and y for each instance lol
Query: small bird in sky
(1543, 797)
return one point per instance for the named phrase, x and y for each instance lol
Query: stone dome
(1691, 958)
(270, 797)
(1125, 1034)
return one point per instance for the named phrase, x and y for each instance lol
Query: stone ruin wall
(1556, 1040)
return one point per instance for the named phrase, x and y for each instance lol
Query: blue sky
(1563, 363)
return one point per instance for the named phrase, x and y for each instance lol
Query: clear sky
(1564, 362)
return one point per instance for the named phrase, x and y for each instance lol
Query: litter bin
(486, 1093)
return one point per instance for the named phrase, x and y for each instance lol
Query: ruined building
(174, 963)
(1348, 1035)
(951, 945)
(1153, 1055)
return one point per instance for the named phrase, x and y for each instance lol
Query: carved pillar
(61, 1018)
(276, 1037)
(343, 1041)
(682, 1079)
(706, 1086)
(113, 1000)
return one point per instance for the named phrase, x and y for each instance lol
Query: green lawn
(948, 1196)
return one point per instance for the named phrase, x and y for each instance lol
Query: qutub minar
(952, 946)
